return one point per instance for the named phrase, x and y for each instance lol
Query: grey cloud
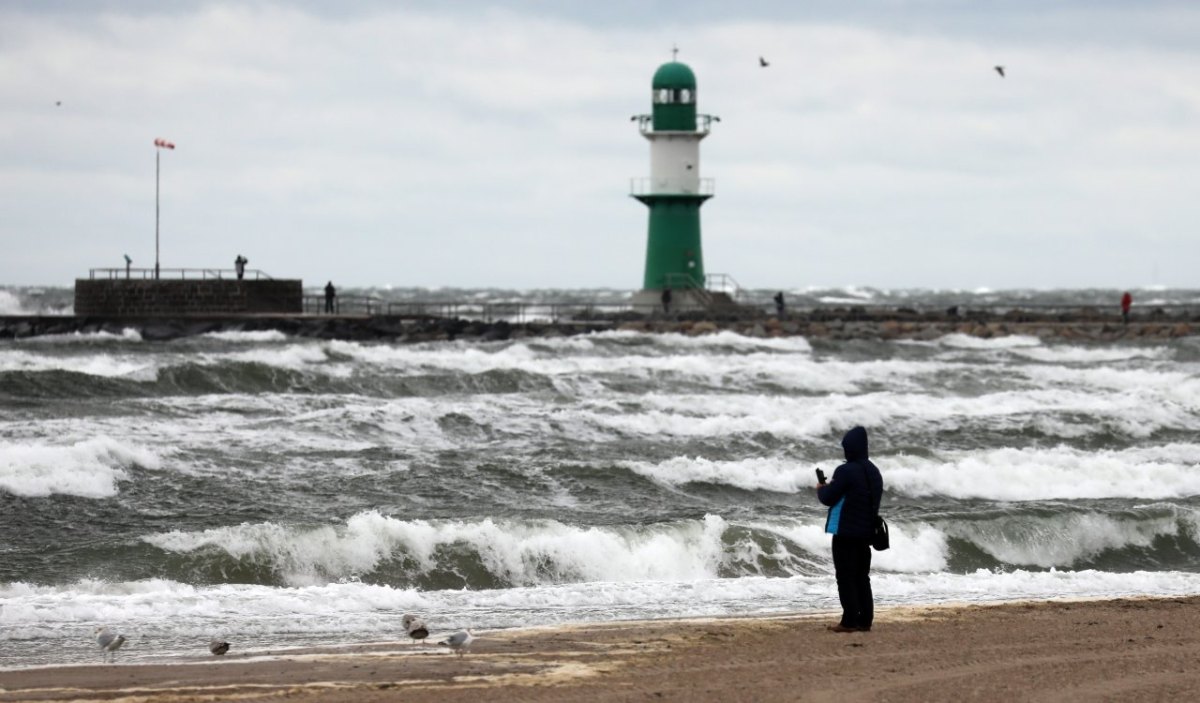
(490, 146)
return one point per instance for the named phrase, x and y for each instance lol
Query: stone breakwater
(924, 330)
(837, 324)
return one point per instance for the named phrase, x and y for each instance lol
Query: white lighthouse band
(674, 160)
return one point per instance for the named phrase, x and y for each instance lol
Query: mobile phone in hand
(820, 476)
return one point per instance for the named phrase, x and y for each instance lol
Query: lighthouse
(674, 191)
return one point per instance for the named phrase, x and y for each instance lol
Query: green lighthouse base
(648, 301)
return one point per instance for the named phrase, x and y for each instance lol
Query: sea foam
(127, 334)
(1065, 540)
(10, 304)
(1058, 473)
(518, 552)
(247, 336)
(548, 552)
(110, 365)
(1006, 474)
(966, 341)
(88, 469)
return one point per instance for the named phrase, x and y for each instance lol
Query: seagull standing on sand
(459, 641)
(1000, 70)
(218, 647)
(415, 627)
(109, 643)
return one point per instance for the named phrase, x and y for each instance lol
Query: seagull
(218, 647)
(1000, 70)
(459, 641)
(109, 643)
(763, 62)
(58, 103)
(415, 627)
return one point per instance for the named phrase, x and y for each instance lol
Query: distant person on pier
(239, 264)
(666, 300)
(128, 263)
(779, 304)
(1126, 302)
(330, 294)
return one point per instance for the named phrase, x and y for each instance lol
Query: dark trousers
(852, 565)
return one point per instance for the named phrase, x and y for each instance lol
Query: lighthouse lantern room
(674, 191)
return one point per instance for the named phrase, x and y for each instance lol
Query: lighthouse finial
(674, 52)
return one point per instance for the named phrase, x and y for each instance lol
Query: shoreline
(1130, 649)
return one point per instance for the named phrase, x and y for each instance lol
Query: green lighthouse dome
(674, 75)
(673, 91)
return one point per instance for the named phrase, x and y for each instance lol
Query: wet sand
(1121, 650)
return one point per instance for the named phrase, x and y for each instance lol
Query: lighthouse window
(667, 96)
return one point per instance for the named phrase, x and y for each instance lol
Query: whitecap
(1058, 473)
(88, 469)
(520, 552)
(247, 336)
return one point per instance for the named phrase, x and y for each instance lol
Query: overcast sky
(481, 144)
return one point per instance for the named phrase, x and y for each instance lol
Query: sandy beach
(1119, 650)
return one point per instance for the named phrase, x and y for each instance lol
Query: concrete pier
(141, 297)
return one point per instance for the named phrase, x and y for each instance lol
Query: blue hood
(855, 444)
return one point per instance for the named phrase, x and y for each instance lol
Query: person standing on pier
(666, 301)
(330, 294)
(779, 304)
(1126, 302)
(239, 264)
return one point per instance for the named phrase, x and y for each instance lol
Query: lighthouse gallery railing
(672, 186)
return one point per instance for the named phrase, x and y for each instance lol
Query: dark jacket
(854, 492)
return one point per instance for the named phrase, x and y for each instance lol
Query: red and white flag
(164, 144)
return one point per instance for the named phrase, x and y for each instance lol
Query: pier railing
(175, 274)
(346, 305)
(724, 283)
(754, 306)
(516, 313)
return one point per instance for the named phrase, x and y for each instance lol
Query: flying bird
(763, 62)
(1000, 70)
(218, 647)
(109, 643)
(415, 627)
(459, 641)
(58, 103)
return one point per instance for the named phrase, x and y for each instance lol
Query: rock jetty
(820, 323)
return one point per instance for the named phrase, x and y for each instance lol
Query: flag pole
(159, 145)
(157, 170)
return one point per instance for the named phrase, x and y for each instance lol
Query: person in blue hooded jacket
(853, 495)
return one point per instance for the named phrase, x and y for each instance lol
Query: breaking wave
(89, 469)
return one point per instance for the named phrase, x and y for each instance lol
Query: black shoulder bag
(879, 537)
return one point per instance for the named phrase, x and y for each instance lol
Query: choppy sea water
(278, 491)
